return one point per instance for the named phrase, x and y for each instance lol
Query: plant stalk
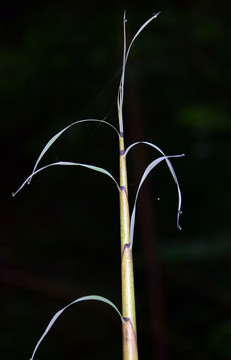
(130, 351)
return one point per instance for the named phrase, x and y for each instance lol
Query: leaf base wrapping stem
(130, 351)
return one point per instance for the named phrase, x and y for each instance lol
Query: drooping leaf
(120, 97)
(67, 163)
(145, 174)
(144, 142)
(139, 31)
(126, 52)
(171, 170)
(56, 136)
(55, 317)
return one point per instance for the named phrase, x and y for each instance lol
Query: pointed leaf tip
(53, 139)
(156, 14)
(149, 168)
(67, 163)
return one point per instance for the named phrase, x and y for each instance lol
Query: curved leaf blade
(179, 212)
(149, 168)
(144, 142)
(154, 16)
(56, 136)
(67, 163)
(55, 317)
(120, 96)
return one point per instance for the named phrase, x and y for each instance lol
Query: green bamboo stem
(130, 351)
(129, 336)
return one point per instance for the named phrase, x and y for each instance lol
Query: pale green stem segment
(130, 350)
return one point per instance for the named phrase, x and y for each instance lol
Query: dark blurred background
(60, 63)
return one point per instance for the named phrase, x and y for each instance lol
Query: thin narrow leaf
(67, 163)
(172, 172)
(145, 174)
(56, 136)
(55, 317)
(144, 142)
(120, 96)
(139, 31)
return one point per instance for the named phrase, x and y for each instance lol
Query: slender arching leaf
(56, 136)
(120, 96)
(126, 51)
(55, 317)
(171, 170)
(139, 31)
(143, 142)
(145, 174)
(67, 163)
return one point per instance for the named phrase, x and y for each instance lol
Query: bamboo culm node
(130, 351)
